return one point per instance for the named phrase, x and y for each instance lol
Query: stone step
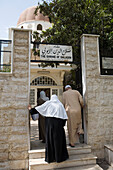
(73, 161)
(78, 149)
(86, 167)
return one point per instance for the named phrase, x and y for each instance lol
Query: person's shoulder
(47, 101)
(72, 90)
(40, 101)
(64, 92)
(76, 91)
(47, 98)
(68, 91)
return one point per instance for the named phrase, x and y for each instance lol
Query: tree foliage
(72, 18)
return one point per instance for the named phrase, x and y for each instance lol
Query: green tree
(72, 18)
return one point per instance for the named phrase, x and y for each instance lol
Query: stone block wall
(98, 97)
(14, 99)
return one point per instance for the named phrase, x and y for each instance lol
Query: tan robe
(73, 102)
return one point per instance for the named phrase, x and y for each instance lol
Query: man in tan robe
(72, 101)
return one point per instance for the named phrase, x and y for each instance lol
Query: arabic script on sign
(55, 52)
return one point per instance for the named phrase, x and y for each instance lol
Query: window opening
(43, 80)
(55, 91)
(39, 27)
(5, 56)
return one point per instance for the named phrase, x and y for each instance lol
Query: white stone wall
(98, 97)
(14, 99)
(33, 25)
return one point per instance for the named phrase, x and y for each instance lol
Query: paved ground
(36, 144)
(103, 164)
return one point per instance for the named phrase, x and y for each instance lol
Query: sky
(10, 11)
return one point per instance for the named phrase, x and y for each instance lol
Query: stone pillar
(98, 97)
(14, 99)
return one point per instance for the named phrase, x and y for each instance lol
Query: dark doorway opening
(46, 90)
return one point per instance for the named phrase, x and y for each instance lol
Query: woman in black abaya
(55, 118)
(42, 99)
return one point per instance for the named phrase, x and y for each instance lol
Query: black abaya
(55, 140)
(41, 122)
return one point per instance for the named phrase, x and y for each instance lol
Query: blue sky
(10, 11)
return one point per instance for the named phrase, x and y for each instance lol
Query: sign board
(55, 52)
(107, 63)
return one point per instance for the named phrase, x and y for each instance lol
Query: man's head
(67, 87)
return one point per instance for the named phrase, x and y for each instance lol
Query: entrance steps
(80, 158)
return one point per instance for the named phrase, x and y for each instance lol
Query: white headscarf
(43, 96)
(52, 108)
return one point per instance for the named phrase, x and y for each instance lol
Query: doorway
(46, 90)
(35, 143)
